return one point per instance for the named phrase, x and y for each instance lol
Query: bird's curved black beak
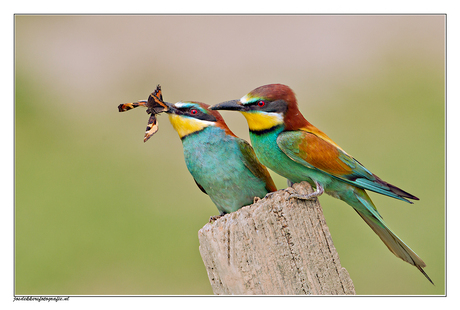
(233, 105)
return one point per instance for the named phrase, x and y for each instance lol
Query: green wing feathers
(316, 153)
(253, 164)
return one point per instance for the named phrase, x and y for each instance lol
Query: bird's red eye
(261, 103)
(193, 111)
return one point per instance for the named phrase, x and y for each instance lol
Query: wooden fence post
(274, 247)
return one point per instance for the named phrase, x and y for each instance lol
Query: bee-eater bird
(287, 143)
(223, 166)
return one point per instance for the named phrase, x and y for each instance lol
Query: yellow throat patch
(186, 125)
(260, 120)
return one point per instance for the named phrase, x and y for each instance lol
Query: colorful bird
(287, 143)
(223, 166)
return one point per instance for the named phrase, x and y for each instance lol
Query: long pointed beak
(171, 108)
(234, 105)
(169, 105)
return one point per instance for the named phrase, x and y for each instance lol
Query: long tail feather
(369, 214)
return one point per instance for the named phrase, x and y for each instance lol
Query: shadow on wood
(274, 247)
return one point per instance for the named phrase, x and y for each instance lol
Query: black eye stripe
(188, 111)
(268, 106)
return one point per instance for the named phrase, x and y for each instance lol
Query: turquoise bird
(224, 166)
(287, 143)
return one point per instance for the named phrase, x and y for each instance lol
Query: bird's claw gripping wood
(319, 191)
(269, 195)
(154, 104)
(215, 218)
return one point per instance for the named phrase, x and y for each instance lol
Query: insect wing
(152, 127)
(131, 105)
(155, 102)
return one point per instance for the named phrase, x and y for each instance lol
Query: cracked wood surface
(274, 247)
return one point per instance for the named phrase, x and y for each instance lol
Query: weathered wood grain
(276, 246)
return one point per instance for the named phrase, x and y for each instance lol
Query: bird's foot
(303, 197)
(256, 199)
(319, 191)
(215, 218)
(270, 194)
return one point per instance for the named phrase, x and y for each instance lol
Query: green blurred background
(99, 212)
